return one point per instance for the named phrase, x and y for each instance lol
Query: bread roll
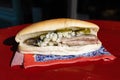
(53, 25)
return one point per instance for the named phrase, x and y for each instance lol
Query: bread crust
(58, 50)
(54, 24)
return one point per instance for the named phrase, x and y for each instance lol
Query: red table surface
(109, 34)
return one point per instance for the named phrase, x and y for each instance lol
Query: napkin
(33, 60)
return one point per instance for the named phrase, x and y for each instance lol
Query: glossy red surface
(109, 34)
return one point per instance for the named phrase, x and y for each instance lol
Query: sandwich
(59, 41)
(61, 36)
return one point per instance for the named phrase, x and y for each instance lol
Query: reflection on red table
(109, 34)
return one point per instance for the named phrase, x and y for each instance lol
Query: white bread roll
(53, 25)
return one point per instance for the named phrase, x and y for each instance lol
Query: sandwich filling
(64, 37)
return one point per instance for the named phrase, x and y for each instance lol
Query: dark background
(17, 12)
